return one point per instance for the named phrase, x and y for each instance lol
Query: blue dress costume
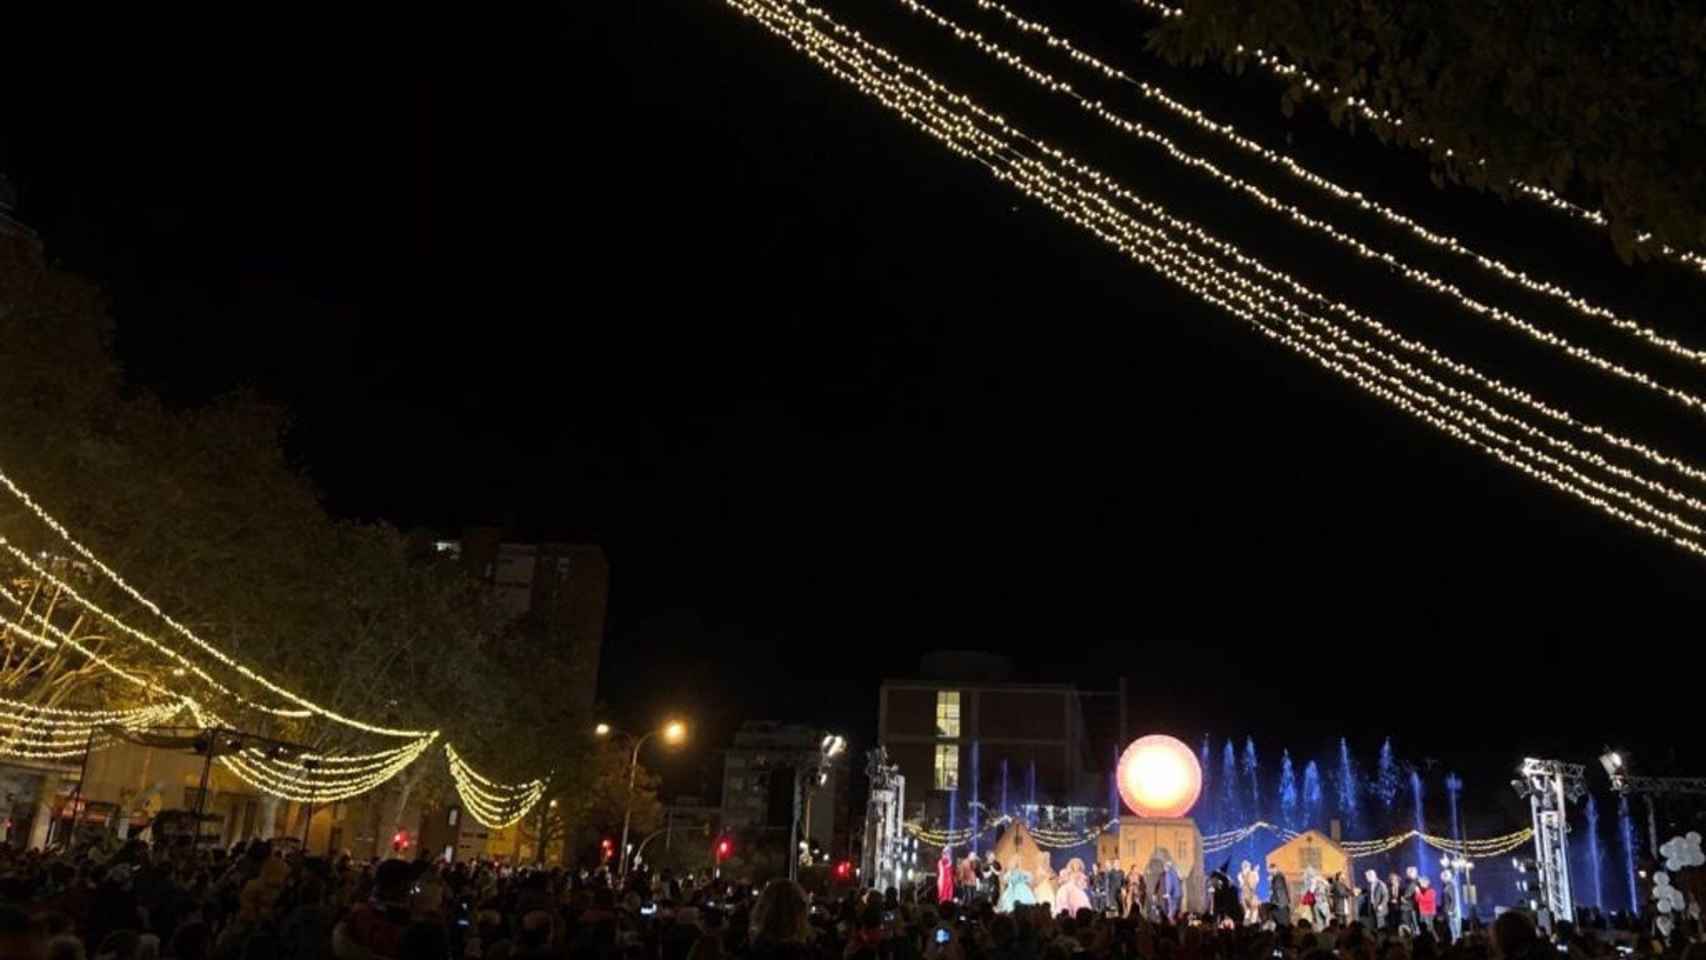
(1015, 890)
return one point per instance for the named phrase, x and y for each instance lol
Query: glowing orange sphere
(1159, 777)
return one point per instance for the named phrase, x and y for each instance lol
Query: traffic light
(607, 849)
(400, 841)
(843, 870)
(724, 848)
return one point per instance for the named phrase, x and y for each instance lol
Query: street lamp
(673, 732)
(831, 746)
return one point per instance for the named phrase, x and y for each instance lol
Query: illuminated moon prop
(1159, 777)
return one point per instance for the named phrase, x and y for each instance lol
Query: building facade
(758, 785)
(961, 705)
(561, 590)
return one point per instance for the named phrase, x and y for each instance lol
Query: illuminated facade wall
(928, 725)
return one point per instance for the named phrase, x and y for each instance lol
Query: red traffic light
(844, 869)
(724, 848)
(400, 841)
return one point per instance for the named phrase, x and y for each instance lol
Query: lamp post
(828, 750)
(672, 733)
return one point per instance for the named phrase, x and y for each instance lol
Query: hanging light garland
(1229, 134)
(307, 706)
(493, 805)
(1084, 198)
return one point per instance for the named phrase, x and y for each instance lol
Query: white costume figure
(1015, 890)
(1070, 895)
(1248, 882)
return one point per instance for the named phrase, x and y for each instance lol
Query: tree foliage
(203, 513)
(1601, 101)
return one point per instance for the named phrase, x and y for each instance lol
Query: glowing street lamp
(673, 732)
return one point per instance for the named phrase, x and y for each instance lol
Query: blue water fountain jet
(1287, 792)
(1453, 791)
(1253, 773)
(953, 809)
(1594, 853)
(973, 806)
(1114, 788)
(1210, 810)
(1312, 801)
(1229, 799)
(1031, 790)
(1421, 823)
(1386, 776)
(1349, 788)
(1626, 832)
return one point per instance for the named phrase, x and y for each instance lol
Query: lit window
(947, 766)
(947, 713)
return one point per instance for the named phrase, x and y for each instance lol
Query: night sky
(830, 396)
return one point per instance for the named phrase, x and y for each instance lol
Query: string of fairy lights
(1092, 200)
(1457, 400)
(496, 805)
(1230, 135)
(1280, 67)
(1473, 849)
(64, 733)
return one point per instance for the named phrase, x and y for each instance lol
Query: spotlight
(1612, 761)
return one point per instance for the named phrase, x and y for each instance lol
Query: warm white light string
(1410, 346)
(1227, 132)
(187, 633)
(1420, 349)
(493, 805)
(69, 591)
(67, 640)
(784, 24)
(1279, 66)
(50, 733)
(333, 778)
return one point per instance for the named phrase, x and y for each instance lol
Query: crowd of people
(253, 902)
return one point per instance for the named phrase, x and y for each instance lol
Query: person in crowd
(945, 876)
(1279, 895)
(965, 884)
(1376, 900)
(1116, 888)
(1407, 900)
(1249, 898)
(1449, 908)
(1426, 905)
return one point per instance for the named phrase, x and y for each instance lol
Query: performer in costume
(1379, 900)
(1015, 890)
(1069, 889)
(1249, 880)
(1116, 888)
(966, 886)
(1279, 894)
(1448, 907)
(1172, 899)
(1339, 895)
(1407, 899)
(1223, 899)
(945, 876)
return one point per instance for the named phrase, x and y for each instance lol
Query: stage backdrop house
(1311, 848)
